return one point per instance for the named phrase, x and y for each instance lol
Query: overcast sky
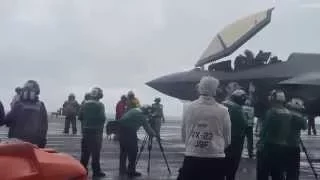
(73, 45)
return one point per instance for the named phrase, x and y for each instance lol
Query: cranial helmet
(239, 96)
(71, 95)
(131, 94)
(96, 93)
(157, 99)
(277, 96)
(123, 97)
(32, 85)
(30, 91)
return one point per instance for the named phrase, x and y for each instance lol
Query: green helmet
(277, 95)
(239, 96)
(72, 96)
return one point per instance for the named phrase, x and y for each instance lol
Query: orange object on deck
(24, 161)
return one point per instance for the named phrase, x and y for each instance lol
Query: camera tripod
(150, 141)
(308, 158)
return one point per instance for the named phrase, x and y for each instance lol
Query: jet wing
(306, 86)
(311, 79)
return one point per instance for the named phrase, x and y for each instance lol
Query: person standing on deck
(248, 111)
(92, 116)
(238, 127)
(206, 132)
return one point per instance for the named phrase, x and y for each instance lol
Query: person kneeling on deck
(129, 124)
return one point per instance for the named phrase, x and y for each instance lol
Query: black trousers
(91, 146)
(293, 163)
(249, 137)
(311, 125)
(271, 161)
(128, 149)
(202, 168)
(73, 121)
(233, 157)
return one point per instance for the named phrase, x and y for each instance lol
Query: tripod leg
(144, 142)
(309, 160)
(164, 156)
(149, 149)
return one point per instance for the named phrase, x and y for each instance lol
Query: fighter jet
(262, 71)
(264, 77)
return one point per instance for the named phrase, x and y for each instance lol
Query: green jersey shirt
(276, 126)
(92, 115)
(134, 119)
(238, 122)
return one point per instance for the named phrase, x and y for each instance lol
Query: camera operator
(299, 122)
(129, 124)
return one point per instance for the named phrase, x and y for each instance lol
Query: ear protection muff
(239, 96)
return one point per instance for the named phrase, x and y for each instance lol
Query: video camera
(151, 115)
(148, 111)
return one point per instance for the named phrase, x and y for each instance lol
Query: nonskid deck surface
(170, 135)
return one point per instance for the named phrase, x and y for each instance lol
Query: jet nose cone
(179, 85)
(152, 83)
(161, 84)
